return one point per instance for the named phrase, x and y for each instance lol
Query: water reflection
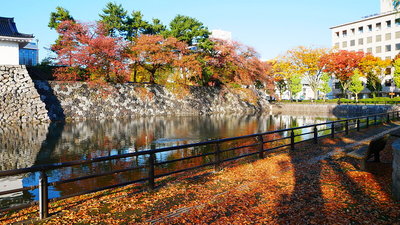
(28, 145)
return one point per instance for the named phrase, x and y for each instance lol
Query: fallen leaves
(281, 189)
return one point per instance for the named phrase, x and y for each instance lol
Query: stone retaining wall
(337, 110)
(396, 170)
(19, 100)
(78, 100)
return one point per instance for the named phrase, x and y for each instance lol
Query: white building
(221, 34)
(11, 41)
(378, 34)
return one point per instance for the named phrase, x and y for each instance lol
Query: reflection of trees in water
(90, 139)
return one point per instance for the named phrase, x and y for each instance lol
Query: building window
(353, 31)
(388, 48)
(360, 50)
(344, 44)
(337, 34)
(378, 38)
(397, 21)
(378, 49)
(388, 36)
(361, 41)
(352, 42)
(369, 40)
(344, 33)
(398, 46)
(397, 34)
(389, 24)
(337, 85)
(388, 58)
(388, 83)
(361, 30)
(378, 26)
(370, 28)
(369, 50)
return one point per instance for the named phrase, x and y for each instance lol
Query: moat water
(29, 145)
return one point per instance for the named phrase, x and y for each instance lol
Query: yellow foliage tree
(306, 62)
(373, 68)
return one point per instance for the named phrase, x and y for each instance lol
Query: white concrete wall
(389, 35)
(9, 53)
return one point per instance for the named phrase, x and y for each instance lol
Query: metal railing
(287, 138)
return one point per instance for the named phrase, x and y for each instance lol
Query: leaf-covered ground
(284, 188)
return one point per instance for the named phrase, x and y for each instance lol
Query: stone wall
(19, 100)
(396, 170)
(78, 100)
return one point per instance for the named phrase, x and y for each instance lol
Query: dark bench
(373, 149)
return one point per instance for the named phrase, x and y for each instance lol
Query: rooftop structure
(11, 41)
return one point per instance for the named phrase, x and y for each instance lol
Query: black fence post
(347, 127)
(367, 121)
(292, 140)
(261, 150)
(375, 120)
(333, 129)
(43, 195)
(358, 124)
(315, 135)
(151, 171)
(217, 165)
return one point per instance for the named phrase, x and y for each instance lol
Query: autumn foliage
(342, 64)
(88, 54)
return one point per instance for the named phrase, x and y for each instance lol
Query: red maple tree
(342, 64)
(86, 53)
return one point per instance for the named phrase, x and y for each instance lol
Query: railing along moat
(222, 152)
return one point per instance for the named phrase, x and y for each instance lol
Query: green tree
(396, 75)
(189, 30)
(155, 28)
(135, 25)
(396, 4)
(356, 85)
(294, 85)
(114, 19)
(59, 16)
(324, 85)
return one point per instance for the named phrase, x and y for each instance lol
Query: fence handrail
(53, 166)
(43, 184)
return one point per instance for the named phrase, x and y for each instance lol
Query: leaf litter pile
(284, 188)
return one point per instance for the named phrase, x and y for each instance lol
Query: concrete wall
(19, 100)
(336, 110)
(9, 53)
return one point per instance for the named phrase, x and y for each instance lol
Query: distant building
(29, 55)
(378, 34)
(11, 41)
(221, 34)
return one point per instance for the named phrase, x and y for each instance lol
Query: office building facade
(377, 34)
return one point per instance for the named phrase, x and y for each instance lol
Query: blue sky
(271, 27)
